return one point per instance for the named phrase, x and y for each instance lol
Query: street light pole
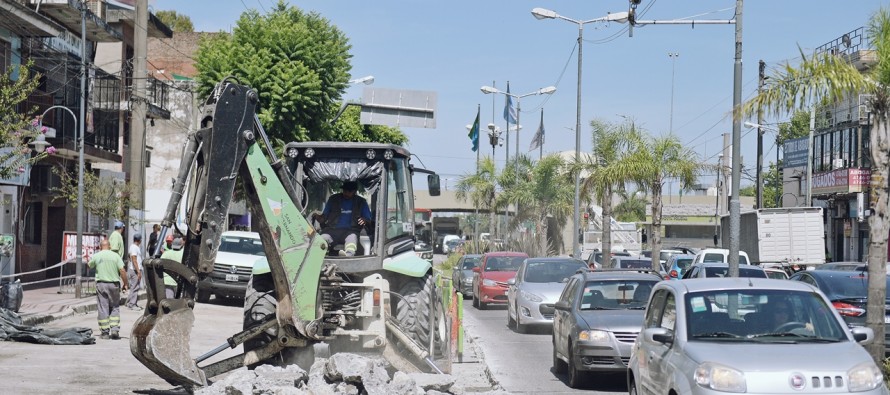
(78, 274)
(673, 56)
(541, 13)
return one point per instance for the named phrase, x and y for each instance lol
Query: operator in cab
(343, 217)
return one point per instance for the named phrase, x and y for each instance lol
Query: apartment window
(817, 153)
(33, 223)
(5, 56)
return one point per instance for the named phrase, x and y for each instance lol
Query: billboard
(796, 152)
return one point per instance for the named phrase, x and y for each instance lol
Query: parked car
(598, 317)
(490, 277)
(462, 274)
(663, 254)
(677, 265)
(848, 293)
(238, 251)
(536, 288)
(719, 255)
(775, 273)
(716, 269)
(748, 335)
(595, 259)
(623, 262)
(848, 266)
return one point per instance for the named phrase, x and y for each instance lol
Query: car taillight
(848, 310)
(674, 274)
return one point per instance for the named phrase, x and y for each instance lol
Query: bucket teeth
(161, 343)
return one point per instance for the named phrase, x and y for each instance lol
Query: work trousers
(108, 296)
(347, 236)
(135, 286)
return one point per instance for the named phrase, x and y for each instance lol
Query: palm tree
(543, 190)
(827, 78)
(656, 160)
(481, 188)
(632, 207)
(607, 170)
(517, 171)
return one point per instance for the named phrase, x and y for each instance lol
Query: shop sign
(796, 152)
(841, 181)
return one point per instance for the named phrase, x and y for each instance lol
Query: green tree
(828, 78)
(541, 190)
(348, 128)
(749, 190)
(632, 207)
(17, 128)
(480, 187)
(297, 61)
(177, 22)
(607, 170)
(106, 197)
(654, 161)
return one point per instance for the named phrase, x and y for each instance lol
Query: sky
(455, 47)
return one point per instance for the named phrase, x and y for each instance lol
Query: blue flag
(509, 111)
(474, 132)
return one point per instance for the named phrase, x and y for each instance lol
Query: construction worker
(174, 253)
(134, 272)
(109, 274)
(116, 240)
(343, 217)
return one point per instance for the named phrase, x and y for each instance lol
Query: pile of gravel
(342, 373)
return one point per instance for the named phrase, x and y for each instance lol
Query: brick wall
(174, 55)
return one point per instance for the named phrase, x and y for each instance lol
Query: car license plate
(231, 277)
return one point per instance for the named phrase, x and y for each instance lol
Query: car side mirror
(562, 305)
(862, 335)
(433, 185)
(658, 335)
(511, 281)
(477, 269)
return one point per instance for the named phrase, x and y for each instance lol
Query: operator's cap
(261, 266)
(350, 186)
(137, 237)
(118, 224)
(177, 243)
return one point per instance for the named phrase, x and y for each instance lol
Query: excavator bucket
(161, 343)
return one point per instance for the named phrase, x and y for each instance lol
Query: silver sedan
(536, 288)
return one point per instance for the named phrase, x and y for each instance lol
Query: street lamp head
(492, 127)
(619, 17)
(367, 80)
(546, 91)
(487, 89)
(39, 143)
(752, 125)
(543, 13)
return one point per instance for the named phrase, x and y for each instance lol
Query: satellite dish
(846, 40)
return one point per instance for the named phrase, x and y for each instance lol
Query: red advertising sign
(841, 181)
(90, 245)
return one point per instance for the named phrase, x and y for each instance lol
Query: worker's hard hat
(169, 238)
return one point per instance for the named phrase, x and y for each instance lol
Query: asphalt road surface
(108, 367)
(522, 363)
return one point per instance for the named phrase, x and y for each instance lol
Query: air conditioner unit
(838, 163)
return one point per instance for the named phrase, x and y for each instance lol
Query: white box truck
(780, 235)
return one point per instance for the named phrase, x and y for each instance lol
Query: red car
(490, 277)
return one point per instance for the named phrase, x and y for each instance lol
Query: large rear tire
(413, 312)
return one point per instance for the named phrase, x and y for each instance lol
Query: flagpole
(476, 210)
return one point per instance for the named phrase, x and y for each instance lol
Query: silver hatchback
(748, 335)
(535, 289)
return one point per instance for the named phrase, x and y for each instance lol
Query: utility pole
(759, 179)
(78, 279)
(734, 203)
(140, 108)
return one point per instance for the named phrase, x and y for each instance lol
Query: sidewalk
(40, 306)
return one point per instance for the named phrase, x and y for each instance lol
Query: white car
(719, 255)
(748, 335)
(238, 251)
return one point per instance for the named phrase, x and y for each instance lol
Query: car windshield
(242, 245)
(761, 315)
(503, 263)
(634, 264)
(716, 271)
(616, 294)
(714, 257)
(470, 263)
(550, 271)
(665, 255)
